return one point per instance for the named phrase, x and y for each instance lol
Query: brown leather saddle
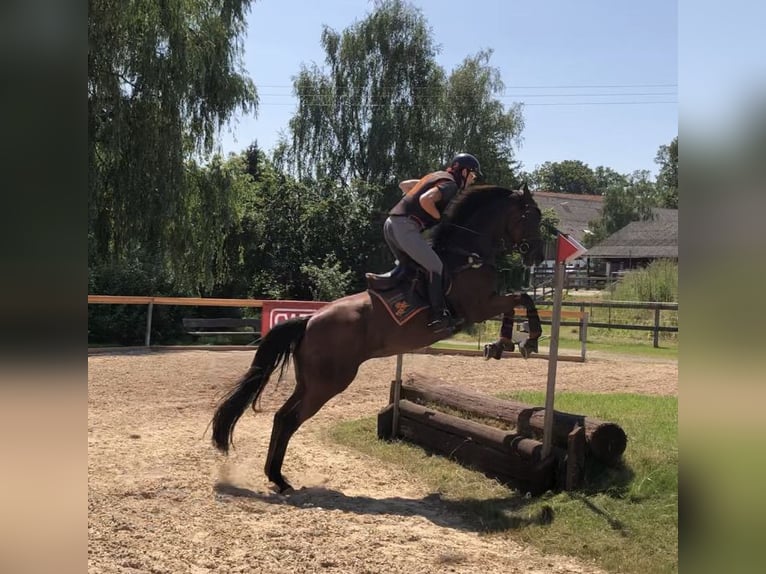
(404, 295)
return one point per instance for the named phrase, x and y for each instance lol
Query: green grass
(624, 519)
(635, 343)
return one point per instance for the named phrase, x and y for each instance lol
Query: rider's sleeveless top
(409, 205)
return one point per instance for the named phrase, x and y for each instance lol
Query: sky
(598, 79)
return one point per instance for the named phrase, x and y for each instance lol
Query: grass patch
(608, 340)
(625, 519)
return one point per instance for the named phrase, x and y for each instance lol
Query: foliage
(667, 179)
(126, 324)
(163, 78)
(369, 115)
(606, 177)
(656, 282)
(384, 110)
(474, 120)
(569, 176)
(329, 281)
(288, 231)
(632, 201)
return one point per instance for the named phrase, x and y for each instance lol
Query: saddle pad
(401, 304)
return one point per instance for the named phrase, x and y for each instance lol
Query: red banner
(568, 248)
(274, 312)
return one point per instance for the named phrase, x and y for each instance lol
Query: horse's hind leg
(285, 424)
(303, 404)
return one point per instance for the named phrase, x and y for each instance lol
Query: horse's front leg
(505, 305)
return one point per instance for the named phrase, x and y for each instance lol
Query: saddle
(403, 295)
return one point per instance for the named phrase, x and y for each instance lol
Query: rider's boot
(440, 315)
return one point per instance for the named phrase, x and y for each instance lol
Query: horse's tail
(273, 351)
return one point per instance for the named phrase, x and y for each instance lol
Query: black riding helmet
(467, 161)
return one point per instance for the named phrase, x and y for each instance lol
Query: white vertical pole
(397, 395)
(584, 331)
(553, 353)
(148, 338)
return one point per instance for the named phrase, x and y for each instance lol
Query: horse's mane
(468, 201)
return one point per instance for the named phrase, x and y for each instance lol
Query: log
(575, 469)
(606, 441)
(499, 454)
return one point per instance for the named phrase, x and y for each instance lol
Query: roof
(575, 211)
(656, 238)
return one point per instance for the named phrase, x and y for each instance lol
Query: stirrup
(441, 322)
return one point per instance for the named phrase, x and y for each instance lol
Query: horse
(328, 347)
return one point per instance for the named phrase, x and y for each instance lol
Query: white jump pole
(397, 396)
(566, 248)
(553, 355)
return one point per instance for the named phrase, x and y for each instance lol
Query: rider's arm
(428, 202)
(407, 185)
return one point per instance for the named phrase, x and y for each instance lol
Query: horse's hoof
(280, 485)
(493, 350)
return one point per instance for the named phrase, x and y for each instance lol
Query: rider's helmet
(467, 161)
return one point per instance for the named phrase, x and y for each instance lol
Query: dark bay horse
(328, 347)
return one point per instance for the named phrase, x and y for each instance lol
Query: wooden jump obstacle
(516, 457)
(513, 457)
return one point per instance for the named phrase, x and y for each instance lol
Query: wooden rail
(581, 321)
(545, 314)
(190, 301)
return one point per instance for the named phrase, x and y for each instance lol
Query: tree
(606, 177)
(569, 176)
(163, 78)
(369, 116)
(623, 204)
(667, 179)
(384, 110)
(474, 120)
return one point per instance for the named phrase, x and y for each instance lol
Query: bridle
(475, 260)
(523, 246)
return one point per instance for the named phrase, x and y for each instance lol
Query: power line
(532, 87)
(317, 95)
(597, 103)
(522, 103)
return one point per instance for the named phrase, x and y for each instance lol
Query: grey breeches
(403, 234)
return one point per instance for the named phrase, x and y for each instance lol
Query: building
(574, 211)
(639, 243)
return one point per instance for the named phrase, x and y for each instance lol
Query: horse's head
(522, 227)
(487, 218)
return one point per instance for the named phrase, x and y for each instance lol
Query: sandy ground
(156, 501)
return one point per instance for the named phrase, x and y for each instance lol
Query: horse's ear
(525, 190)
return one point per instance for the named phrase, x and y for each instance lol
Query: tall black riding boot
(440, 316)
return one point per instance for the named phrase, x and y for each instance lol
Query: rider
(419, 210)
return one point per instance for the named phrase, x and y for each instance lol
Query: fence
(655, 326)
(541, 280)
(151, 301)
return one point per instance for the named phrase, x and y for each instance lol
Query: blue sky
(572, 63)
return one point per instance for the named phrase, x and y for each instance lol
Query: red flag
(568, 248)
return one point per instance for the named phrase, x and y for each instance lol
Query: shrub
(656, 282)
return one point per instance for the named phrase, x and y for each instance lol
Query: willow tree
(163, 78)
(369, 114)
